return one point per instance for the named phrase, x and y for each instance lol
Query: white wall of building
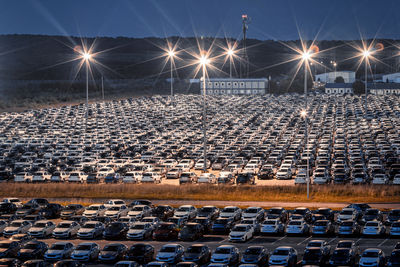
(234, 86)
(329, 77)
(391, 78)
(338, 91)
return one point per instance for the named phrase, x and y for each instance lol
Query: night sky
(271, 19)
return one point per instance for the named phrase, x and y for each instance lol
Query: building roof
(382, 86)
(339, 85)
(236, 79)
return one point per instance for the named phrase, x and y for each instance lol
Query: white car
(77, 177)
(94, 210)
(251, 168)
(187, 211)
(253, 213)
(297, 227)
(66, 229)
(58, 177)
(131, 177)
(17, 227)
(380, 179)
(372, 257)
(272, 226)
(3, 225)
(241, 233)
(23, 177)
(114, 202)
(151, 177)
(200, 164)
(396, 179)
(154, 221)
(40, 176)
(301, 178)
(91, 230)
(140, 231)
(116, 211)
(207, 178)
(13, 200)
(140, 211)
(42, 229)
(231, 212)
(347, 214)
(373, 228)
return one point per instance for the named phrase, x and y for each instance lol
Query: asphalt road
(269, 242)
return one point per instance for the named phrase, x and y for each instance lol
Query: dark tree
(339, 79)
(358, 88)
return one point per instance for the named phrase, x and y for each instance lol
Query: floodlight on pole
(171, 55)
(306, 56)
(86, 56)
(230, 54)
(204, 61)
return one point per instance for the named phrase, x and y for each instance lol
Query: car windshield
(222, 251)
(346, 212)
(57, 247)
(64, 225)
(30, 246)
(137, 209)
(269, 222)
(370, 254)
(251, 211)
(138, 249)
(253, 251)
(349, 223)
(321, 223)
(71, 207)
(167, 249)
(114, 208)
(193, 250)
(275, 211)
(314, 244)
(208, 209)
(39, 225)
(165, 226)
(344, 245)
(16, 224)
(229, 210)
(89, 226)
(137, 226)
(111, 248)
(394, 213)
(281, 252)
(294, 223)
(341, 253)
(372, 224)
(239, 229)
(93, 208)
(371, 212)
(311, 253)
(184, 209)
(83, 247)
(221, 221)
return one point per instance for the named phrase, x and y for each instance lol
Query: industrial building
(338, 88)
(234, 86)
(384, 88)
(391, 78)
(330, 77)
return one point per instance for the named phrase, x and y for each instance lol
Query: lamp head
(86, 56)
(366, 53)
(306, 55)
(303, 113)
(230, 52)
(204, 60)
(171, 53)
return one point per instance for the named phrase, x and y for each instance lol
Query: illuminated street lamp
(230, 54)
(203, 62)
(306, 56)
(86, 56)
(171, 55)
(334, 65)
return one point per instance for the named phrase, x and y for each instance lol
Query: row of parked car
(148, 139)
(316, 253)
(140, 220)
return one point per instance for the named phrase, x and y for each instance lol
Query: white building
(234, 86)
(391, 78)
(330, 77)
(338, 88)
(384, 88)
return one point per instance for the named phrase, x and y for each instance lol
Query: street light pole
(102, 86)
(204, 119)
(87, 90)
(366, 87)
(306, 128)
(172, 86)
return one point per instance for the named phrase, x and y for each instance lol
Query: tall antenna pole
(245, 26)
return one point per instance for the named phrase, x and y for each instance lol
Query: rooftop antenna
(245, 64)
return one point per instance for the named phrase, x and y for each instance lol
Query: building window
(228, 84)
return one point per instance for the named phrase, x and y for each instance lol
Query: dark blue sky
(271, 19)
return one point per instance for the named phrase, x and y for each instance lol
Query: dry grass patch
(337, 193)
